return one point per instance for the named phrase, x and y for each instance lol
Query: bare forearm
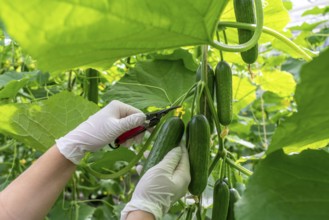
(140, 215)
(32, 194)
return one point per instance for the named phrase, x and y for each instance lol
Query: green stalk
(132, 163)
(215, 117)
(238, 167)
(253, 41)
(271, 32)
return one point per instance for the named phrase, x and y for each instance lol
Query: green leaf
(276, 81)
(108, 161)
(10, 76)
(38, 124)
(307, 26)
(178, 54)
(287, 187)
(153, 83)
(316, 10)
(67, 34)
(62, 210)
(308, 127)
(12, 88)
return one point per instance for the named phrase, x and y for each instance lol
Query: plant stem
(264, 122)
(238, 167)
(215, 117)
(271, 32)
(253, 41)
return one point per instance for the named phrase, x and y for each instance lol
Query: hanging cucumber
(169, 136)
(204, 107)
(244, 12)
(234, 197)
(198, 146)
(221, 199)
(92, 76)
(223, 76)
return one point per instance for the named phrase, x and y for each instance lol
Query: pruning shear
(152, 119)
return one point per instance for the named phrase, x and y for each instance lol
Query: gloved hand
(99, 129)
(162, 185)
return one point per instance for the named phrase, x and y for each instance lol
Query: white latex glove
(99, 130)
(162, 185)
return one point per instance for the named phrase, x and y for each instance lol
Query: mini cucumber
(223, 76)
(244, 12)
(221, 198)
(169, 136)
(198, 146)
(234, 197)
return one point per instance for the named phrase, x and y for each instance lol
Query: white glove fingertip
(146, 154)
(139, 169)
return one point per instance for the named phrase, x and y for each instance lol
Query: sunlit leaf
(67, 34)
(279, 82)
(244, 93)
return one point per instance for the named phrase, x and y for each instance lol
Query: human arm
(161, 186)
(32, 194)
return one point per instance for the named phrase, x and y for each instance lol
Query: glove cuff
(70, 151)
(144, 206)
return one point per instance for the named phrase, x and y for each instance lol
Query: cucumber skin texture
(198, 149)
(169, 136)
(221, 198)
(204, 107)
(234, 197)
(223, 76)
(244, 12)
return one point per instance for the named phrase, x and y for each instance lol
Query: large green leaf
(153, 83)
(287, 187)
(66, 34)
(38, 124)
(308, 128)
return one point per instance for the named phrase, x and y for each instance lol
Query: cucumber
(223, 76)
(234, 197)
(221, 199)
(92, 76)
(244, 12)
(198, 146)
(204, 107)
(169, 136)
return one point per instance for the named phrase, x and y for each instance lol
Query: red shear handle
(129, 134)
